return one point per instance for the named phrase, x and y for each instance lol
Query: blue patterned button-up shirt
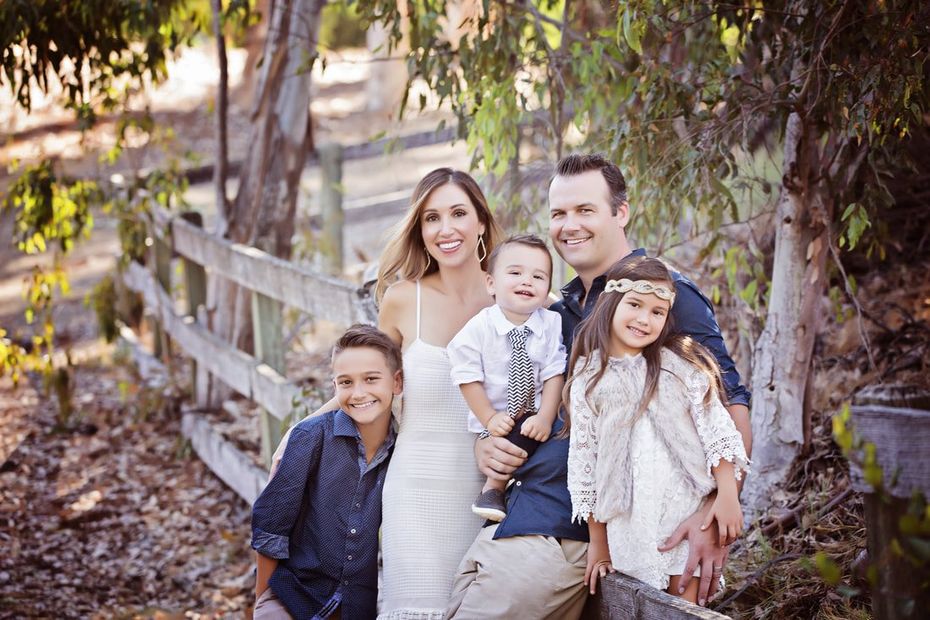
(319, 517)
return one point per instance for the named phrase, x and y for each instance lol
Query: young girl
(650, 438)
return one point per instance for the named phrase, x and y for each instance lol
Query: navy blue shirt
(539, 502)
(319, 517)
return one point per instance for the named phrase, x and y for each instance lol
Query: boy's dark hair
(530, 241)
(576, 163)
(360, 335)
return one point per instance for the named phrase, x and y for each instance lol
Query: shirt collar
(502, 325)
(344, 426)
(574, 290)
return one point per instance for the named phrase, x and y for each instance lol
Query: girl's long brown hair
(594, 334)
(404, 257)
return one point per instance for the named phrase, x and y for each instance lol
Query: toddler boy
(508, 360)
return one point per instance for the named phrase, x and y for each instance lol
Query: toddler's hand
(534, 428)
(500, 425)
(726, 510)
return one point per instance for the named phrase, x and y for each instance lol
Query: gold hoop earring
(483, 248)
(427, 258)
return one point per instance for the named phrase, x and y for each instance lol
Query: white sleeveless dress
(427, 523)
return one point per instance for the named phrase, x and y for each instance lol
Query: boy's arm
(539, 426)
(497, 423)
(266, 567)
(551, 398)
(275, 512)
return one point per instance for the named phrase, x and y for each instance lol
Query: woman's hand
(536, 428)
(598, 564)
(500, 425)
(729, 516)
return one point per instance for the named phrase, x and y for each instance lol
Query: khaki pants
(531, 577)
(269, 607)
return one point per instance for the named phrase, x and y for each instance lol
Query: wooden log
(621, 597)
(331, 192)
(896, 420)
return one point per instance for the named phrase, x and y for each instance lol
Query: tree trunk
(262, 214)
(782, 357)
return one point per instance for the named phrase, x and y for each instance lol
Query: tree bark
(262, 214)
(220, 171)
(782, 356)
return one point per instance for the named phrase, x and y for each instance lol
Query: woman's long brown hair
(404, 256)
(595, 334)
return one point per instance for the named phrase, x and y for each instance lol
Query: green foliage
(680, 93)
(103, 299)
(341, 26)
(95, 49)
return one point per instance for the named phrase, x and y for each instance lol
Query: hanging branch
(221, 170)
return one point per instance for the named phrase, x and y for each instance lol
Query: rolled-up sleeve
(694, 315)
(465, 355)
(276, 510)
(555, 361)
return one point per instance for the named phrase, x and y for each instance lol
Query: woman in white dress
(431, 282)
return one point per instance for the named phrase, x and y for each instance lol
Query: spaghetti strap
(418, 309)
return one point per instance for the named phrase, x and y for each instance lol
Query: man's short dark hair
(531, 241)
(577, 163)
(360, 335)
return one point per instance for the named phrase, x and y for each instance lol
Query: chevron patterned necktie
(521, 390)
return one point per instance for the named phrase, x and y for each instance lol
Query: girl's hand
(534, 428)
(500, 425)
(598, 564)
(726, 510)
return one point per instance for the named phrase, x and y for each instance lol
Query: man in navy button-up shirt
(588, 212)
(315, 526)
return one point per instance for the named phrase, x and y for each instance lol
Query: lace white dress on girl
(645, 480)
(427, 523)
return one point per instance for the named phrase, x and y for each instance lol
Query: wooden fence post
(161, 263)
(267, 314)
(331, 192)
(195, 290)
(896, 419)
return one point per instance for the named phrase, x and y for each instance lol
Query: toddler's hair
(595, 335)
(530, 241)
(360, 335)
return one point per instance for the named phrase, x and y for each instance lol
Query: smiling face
(450, 226)
(638, 321)
(519, 281)
(365, 384)
(583, 228)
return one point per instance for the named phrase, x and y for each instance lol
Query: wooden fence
(275, 283)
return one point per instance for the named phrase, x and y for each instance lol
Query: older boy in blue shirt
(315, 526)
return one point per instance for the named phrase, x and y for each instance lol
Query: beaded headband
(645, 287)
